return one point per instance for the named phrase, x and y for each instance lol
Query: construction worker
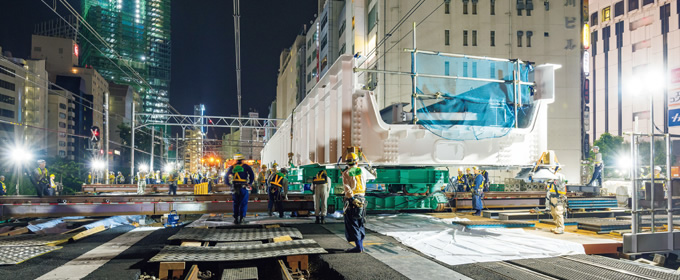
(598, 164)
(485, 174)
(270, 195)
(321, 187)
(461, 181)
(354, 185)
(89, 178)
(120, 179)
(557, 197)
(477, 192)
(141, 184)
(112, 178)
(51, 190)
(262, 178)
(241, 176)
(41, 178)
(3, 187)
(278, 190)
(470, 177)
(172, 180)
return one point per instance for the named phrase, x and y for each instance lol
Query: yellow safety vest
(4, 188)
(461, 179)
(554, 190)
(356, 173)
(320, 178)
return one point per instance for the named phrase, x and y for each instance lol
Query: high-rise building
(635, 56)
(139, 31)
(290, 88)
(193, 153)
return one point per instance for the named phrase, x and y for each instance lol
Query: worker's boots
(318, 220)
(323, 219)
(240, 220)
(236, 220)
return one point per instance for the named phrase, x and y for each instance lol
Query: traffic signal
(94, 134)
(586, 91)
(586, 119)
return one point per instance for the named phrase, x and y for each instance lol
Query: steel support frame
(638, 242)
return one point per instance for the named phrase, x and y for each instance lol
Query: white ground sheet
(454, 244)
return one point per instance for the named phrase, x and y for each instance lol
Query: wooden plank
(272, 226)
(165, 269)
(191, 244)
(89, 232)
(193, 273)
(282, 238)
(285, 274)
(17, 231)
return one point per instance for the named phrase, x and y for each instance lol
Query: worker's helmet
(41, 161)
(475, 168)
(274, 165)
(51, 175)
(2, 177)
(460, 169)
(351, 158)
(657, 168)
(238, 157)
(467, 169)
(264, 166)
(596, 148)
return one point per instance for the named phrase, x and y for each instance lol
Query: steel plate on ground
(498, 270)
(34, 239)
(15, 255)
(237, 234)
(630, 266)
(567, 269)
(241, 273)
(237, 244)
(248, 252)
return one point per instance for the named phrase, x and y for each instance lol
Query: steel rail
(608, 268)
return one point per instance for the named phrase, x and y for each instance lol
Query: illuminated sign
(606, 14)
(76, 51)
(586, 36)
(586, 63)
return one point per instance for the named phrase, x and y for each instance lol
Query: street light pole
(106, 144)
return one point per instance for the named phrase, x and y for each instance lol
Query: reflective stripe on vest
(460, 179)
(321, 177)
(277, 180)
(554, 190)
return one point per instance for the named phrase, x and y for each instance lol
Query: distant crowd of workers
(474, 180)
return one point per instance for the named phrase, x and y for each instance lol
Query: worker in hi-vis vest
(242, 176)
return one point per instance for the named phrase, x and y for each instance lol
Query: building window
(519, 38)
(618, 9)
(342, 28)
(520, 7)
(474, 69)
(474, 37)
(7, 99)
(647, 2)
(633, 5)
(324, 20)
(529, 34)
(529, 6)
(8, 72)
(465, 33)
(447, 8)
(492, 70)
(324, 41)
(493, 7)
(62, 153)
(465, 7)
(62, 144)
(62, 116)
(474, 7)
(7, 85)
(606, 14)
(446, 68)
(372, 18)
(546, 34)
(37, 49)
(62, 124)
(493, 39)
(62, 135)
(446, 37)
(465, 69)
(593, 19)
(342, 49)
(6, 113)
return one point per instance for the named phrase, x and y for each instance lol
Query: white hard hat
(657, 168)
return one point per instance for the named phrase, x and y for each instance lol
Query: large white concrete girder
(337, 114)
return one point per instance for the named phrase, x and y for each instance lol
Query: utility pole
(132, 146)
(106, 144)
(153, 129)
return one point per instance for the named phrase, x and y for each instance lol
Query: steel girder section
(137, 208)
(239, 234)
(502, 203)
(207, 121)
(651, 242)
(247, 252)
(136, 198)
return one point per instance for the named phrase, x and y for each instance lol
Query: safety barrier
(201, 188)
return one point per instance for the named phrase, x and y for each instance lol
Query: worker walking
(3, 187)
(172, 187)
(141, 184)
(41, 178)
(598, 164)
(241, 176)
(557, 196)
(279, 190)
(321, 187)
(261, 180)
(112, 178)
(477, 193)
(354, 185)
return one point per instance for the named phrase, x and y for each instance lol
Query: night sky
(203, 58)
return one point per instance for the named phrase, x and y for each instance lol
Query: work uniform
(471, 180)
(141, 184)
(354, 184)
(597, 170)
(112, 179)
(51, 190)
(278, 190)
(321, 187)
(557, 197)
(270, 195)
(3, 189)
(172, 187)
(89, 179)
(462, 182)
(485, 174)
(261, 181)
(477, 193)
(120, 179)
(241, 176)
(42, 182)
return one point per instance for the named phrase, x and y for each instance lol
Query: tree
(69, 173)
(612, 149)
